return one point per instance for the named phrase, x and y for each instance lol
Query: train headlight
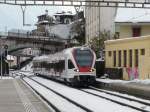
(92, 70)
(76, 70)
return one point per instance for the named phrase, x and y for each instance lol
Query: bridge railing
(25, 35)
(88, 3)
(38, 37)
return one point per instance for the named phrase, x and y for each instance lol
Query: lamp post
(1, 61)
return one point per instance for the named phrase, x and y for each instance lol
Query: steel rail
(139, 101)
(118, 102)
(73, 102)
(48, 102)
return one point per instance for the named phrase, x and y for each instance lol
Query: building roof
(132, 15)
(128, 40)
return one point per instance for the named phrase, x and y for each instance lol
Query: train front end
(84, 59)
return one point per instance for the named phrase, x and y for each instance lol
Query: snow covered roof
(61, 30)
(130, 15)
(49, 58)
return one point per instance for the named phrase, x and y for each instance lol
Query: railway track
(121, 96)
(64, 97)
(118, 102)
(100, 96)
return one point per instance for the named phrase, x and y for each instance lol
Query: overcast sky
(11, 16)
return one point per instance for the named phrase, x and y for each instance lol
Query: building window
(142, 51)
(119, 59)
(136, 58)
(130, 58)
(125, 58)
(117, 35)
(136, 31)
(114, 54)
(109, 53)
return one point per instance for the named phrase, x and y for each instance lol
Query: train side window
(70, 64)
(62, 64)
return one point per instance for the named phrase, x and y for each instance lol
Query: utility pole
(23, 8)
(1, 62)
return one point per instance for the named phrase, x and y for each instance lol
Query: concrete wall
(99, 19)
(127, 44)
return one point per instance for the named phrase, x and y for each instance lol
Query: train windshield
(84, 58)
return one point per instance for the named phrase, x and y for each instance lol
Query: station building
(131, 55)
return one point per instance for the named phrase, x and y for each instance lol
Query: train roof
(55, 57)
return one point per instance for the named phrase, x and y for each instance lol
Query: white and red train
(73, 65)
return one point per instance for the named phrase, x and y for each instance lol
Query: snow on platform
(143, 82)
(6, 77)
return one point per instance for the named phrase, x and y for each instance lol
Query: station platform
(135, 88)
(15, 96)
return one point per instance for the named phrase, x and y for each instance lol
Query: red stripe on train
(84, 69)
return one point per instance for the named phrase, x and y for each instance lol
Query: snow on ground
(111, 81)
(92, 102)
(5, 77)
(124, 95)
(58, 101)
(145, 82)
(125, 101)
(26, 73)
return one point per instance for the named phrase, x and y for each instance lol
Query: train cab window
(70, 64)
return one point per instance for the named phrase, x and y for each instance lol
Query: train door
(71, 67)
(66, 66)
